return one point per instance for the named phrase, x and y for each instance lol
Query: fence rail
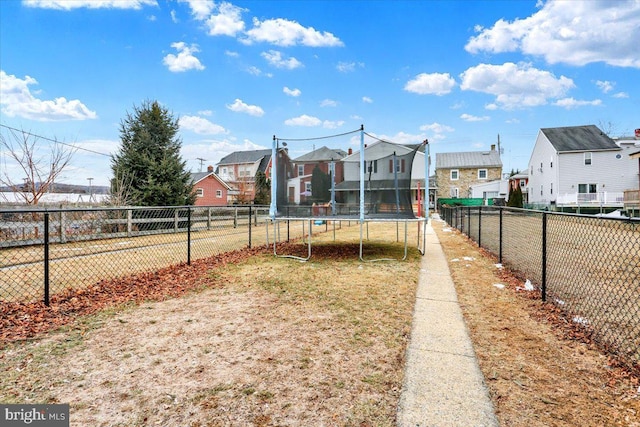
(589, 267)
(43, 252)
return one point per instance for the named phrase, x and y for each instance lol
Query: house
(579, 167)
(210, 189)
(632, 196)
(382, 179)
(491, 190)
(239, 170)
(299, 186)
(457, 173)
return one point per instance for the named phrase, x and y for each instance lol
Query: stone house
(456, 173)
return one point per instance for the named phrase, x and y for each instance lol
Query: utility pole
(201, 162)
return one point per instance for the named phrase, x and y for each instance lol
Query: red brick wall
(210, 185)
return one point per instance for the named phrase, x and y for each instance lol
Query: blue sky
(458, 73)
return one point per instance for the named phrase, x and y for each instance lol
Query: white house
(497, 189)
(380, 175)
(580, 166)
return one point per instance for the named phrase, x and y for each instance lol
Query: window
(373, 167)
(587, 158)
(454, 175)
(453, 192)
(219, 194)
(587, 188)
(541, 190)
(551, 164)
(522, 183)
(224, 171)
(482, 174)
(199, 192)
(307, 186)
(399, 165)
(300, 170)
(551, 188)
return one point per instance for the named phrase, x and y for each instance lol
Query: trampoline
(377, 183)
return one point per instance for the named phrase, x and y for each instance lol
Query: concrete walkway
(443, 385)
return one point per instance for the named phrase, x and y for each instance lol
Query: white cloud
(572, 32)
(184, 60)
(200, 9)
(240, 107)
(515, 86)
(205, 113)
(231, 54)
(152, 18)
(437, 128)
(328, 103)
(16, 100)
(605, 86)
(89, 4)
(346, 67)
(227, 22)
(201, 125)
(434, 84)
(174, 17)
(276, 59)
(303, 120)
(329, 124)
(292, 92)
(367, 100)
(470, 118)
(282, 32)
(621, 95)
(570, 103)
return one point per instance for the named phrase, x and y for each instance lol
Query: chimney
(209, 168)
(350, 151)
(493, 147)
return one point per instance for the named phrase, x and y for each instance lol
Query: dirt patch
(541, 371)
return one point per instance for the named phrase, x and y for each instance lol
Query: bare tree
(39, 172)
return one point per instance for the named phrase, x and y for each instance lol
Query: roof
(199, 176)
(579, 138)
(321, 154)
(238, 157)
(468, 159)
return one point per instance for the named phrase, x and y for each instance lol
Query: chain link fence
(587, 266)
(43, 252)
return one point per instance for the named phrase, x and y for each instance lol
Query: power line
(319, 137)
(54, 140)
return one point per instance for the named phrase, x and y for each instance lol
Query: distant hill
(73, 189)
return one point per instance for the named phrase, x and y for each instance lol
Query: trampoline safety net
(329, 183)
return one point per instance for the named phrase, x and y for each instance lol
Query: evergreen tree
(263, 189)
(320, 186)
(149, 159)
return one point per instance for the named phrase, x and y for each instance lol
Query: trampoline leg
(293, 256)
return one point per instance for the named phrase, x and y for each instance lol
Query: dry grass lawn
(275, 342)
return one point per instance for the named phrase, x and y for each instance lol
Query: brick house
(456, 173)
(299, 186)
(210, 189)
(239, 170)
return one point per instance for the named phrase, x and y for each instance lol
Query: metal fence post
(250, 212)
(480, 226)
(189, 236)
(469, 221)
(46, 259)
(544, 256)
(500, 236)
